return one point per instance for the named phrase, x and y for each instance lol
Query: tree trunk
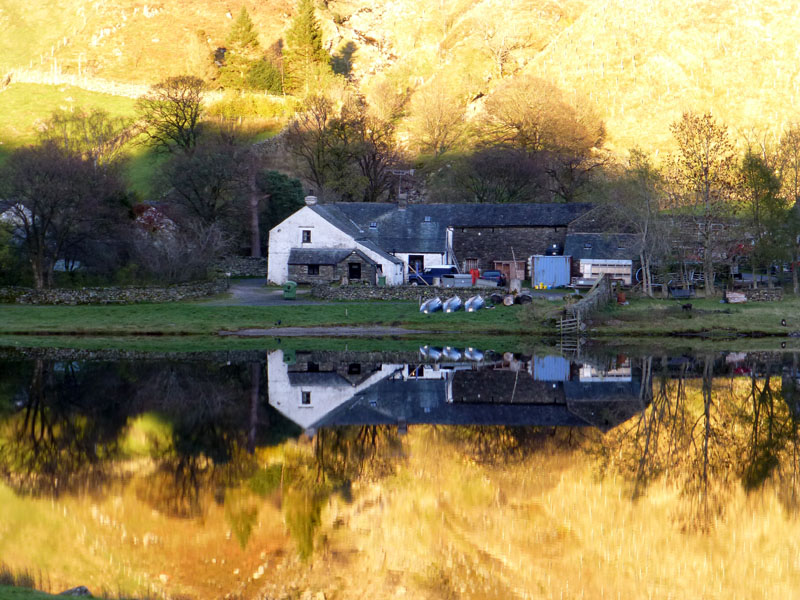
(255, 225)
(708, 272)
(795, 278)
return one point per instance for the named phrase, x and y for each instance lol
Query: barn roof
(617, 246)
(423, 227)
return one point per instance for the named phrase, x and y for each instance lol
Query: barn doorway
(354, 270)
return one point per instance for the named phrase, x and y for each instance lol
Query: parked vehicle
(427, 275)
(494, 276)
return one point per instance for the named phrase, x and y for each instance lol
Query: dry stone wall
(370, 292)
(243, 266)
(114, 295)
(763, 294)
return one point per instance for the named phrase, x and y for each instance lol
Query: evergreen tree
(242, 52)
(305, 59)
(242, 37)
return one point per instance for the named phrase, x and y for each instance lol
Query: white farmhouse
(359, 241)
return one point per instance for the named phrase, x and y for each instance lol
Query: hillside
(641, 62)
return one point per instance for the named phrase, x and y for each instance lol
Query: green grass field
(195, 318)
(24, 105)
(21, 593)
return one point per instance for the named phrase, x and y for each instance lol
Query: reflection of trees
(704, 433)
(340, 456)
(73, 419)
(211, 433)
(66, 433)
(495, 444)
(345, 454)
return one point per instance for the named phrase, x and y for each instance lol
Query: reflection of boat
(451, 353)
(452, 305)
(473, 354)
(430, 306)
(474, 303)
(434, 353)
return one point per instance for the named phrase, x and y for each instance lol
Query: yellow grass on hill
(644, 62)
(125, 40)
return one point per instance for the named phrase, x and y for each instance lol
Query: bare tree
(703, 171)
(56, 199)
(533, 116)
(208, 183)
(789, 158)
(438, 118)
(170, 113)
(93, 134)
(307, 140)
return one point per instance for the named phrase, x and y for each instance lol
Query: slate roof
(618, 246)
(408, 230)
(318, 256)
(318, 379)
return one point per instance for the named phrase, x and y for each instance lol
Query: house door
(416, 263)
(354, 270)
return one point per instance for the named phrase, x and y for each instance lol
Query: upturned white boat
(452, 304)
(451, 353)
(431, 306)
(474, 303)
(473, 354)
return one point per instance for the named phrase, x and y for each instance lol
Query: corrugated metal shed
(550, 270)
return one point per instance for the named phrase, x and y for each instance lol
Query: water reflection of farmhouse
(324, 389)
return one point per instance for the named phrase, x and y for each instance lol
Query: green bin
(381, 280)
(289, 290)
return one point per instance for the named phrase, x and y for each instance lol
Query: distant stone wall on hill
(114, 294)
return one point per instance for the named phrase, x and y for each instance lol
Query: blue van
(426, 277)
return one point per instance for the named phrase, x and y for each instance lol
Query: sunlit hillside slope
(640, 61)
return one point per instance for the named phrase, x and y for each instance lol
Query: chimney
(311, 200)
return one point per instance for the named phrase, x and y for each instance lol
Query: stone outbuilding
(324, 266)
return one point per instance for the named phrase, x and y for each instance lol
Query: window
(354, 369)
(373, 225)
(313, 269)
(471, 263)
(587, 246)
(379, 269)
(306, 400)
(306, 236)
(427, 219)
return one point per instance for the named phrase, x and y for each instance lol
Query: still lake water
(442, 473)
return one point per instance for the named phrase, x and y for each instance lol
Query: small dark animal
(687, 306)
(278, 322)
(783, 322)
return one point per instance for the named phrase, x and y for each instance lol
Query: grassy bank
(642, 317)
(21, 593)
(647, 317)
(194, 319)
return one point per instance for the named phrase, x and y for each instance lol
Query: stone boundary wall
(114, 295)
(92, 84)
(72, 354)
(597, 298)
(243, 266)
(396, 292)
(763, 294)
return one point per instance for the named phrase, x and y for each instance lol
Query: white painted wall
(287, 399)
(288, 234)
